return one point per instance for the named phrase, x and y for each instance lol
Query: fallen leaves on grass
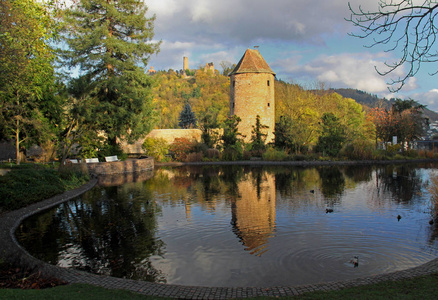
(18, 278)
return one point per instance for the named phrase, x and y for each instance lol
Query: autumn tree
(405, 120)
(411, 121)
(333, 135)
(384, 122)
(299, 114)
(26, 72)
(405, 26)
(110, 41)
(298, 117)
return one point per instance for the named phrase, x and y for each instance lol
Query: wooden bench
(111, 158)
(91, 160)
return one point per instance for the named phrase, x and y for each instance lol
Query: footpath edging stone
(11, 251)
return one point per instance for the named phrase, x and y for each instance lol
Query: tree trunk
(17, 142)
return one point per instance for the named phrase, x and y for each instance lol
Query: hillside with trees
(307, 121)
(207, 93)
(373, 101)
(298, 111)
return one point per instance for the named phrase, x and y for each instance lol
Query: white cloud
(429, 98)
(355, 70)
(246, 20)
(163, 8)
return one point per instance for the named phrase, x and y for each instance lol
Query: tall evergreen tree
(111, 43)
(258, 137)
(187, 117)
(209, 127)
(232, 139)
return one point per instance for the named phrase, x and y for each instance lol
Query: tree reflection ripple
(244, 226)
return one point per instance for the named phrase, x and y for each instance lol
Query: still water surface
(244, 226)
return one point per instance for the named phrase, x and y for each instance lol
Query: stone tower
(252, 94)
(185, 63)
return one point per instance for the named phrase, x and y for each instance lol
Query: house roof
(252, 62)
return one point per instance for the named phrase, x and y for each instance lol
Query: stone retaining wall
(119, 179)
(121, 167)
(167, 134)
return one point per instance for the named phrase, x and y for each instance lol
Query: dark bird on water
(355, 261)
(398, 217)
(328, 210)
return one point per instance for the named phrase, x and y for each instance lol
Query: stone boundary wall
(167, 134)
(121, 167)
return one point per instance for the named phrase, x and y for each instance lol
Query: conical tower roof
(252, 62)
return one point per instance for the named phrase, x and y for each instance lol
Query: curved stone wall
(121, 167)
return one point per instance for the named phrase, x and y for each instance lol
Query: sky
(304, 41)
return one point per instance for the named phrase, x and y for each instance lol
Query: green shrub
(21, 187)
(399, 157)
(156, 147)
(213, 154)
(73, 173)
(392, 150)
(358, 150)
(232, 153)
(411, 153)
(300, 157)
(110, 150)
(275, 155)
(195, 156)
(426, 154)
(379, 154)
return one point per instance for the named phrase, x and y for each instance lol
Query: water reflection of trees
(402, 181)
(111, 231)
(332, 182)
(358, 173)
(289, 181)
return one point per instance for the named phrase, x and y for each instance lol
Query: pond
(244, 225)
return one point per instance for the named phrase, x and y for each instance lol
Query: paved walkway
(12, 251)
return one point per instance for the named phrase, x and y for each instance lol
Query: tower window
(268, 82)
(269, 104)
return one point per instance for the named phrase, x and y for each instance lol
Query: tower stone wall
(252, 94)
(185, 63)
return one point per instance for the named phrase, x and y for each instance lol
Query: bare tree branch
(400, 26)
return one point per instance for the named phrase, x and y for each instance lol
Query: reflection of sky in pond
(255, 227)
